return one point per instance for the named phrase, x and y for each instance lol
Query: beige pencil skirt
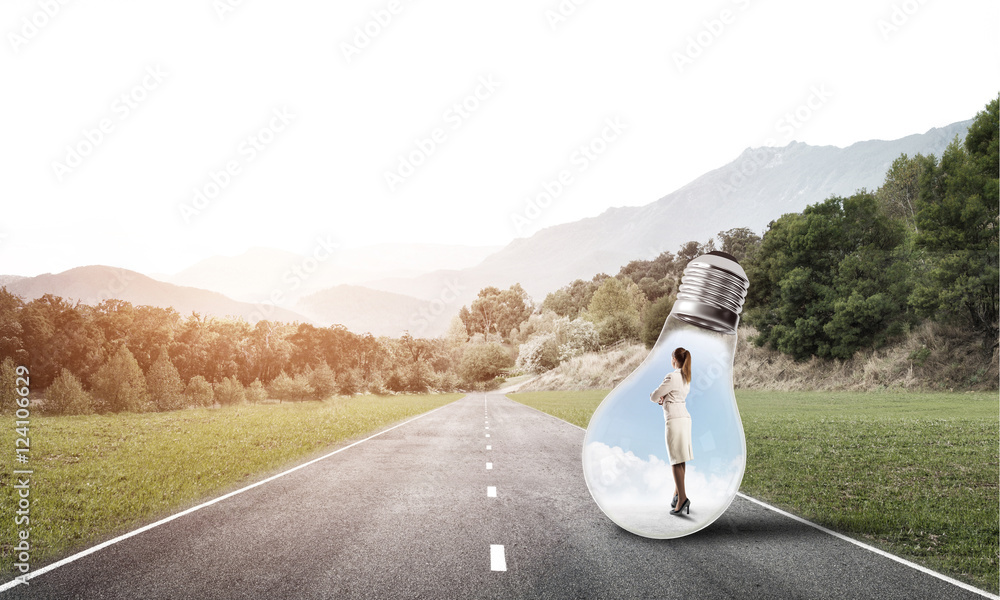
(679, 440)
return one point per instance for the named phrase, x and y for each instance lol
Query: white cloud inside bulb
(620, 478)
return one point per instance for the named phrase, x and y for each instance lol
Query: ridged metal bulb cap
(711, 293)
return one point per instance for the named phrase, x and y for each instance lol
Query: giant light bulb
(625, 458)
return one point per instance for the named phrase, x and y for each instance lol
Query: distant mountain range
(419, 288)
(94, 284)
(259, 272)
(759, 186)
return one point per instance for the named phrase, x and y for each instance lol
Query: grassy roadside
(915, 474)
(98, 476)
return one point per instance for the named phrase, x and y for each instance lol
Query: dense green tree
(692, 250)
(227, 349)
(269, 351)
(663, 267)
(740, 242)
(417, 377)
(615, 296)
(571, 300)
(653, 289)
(164, 384)
(483, 362)
(957, 217)
(190, 346)
(898, 194)
(498, 311)
(151, 331)
(57, 334)
(323, 381)
(119, 384)
(655, 317)
(830, 280)
(616, 309)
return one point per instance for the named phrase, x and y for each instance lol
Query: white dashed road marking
(491, 491)
(498, 562)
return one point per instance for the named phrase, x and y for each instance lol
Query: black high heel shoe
(673, 503)
(680, 509)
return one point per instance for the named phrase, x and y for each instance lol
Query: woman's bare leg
(679, 470)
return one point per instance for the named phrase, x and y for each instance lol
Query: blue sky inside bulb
(625, 459)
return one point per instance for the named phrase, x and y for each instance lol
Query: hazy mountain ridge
(257, 273)
(94, 284)
(6, 280)
(780, 180)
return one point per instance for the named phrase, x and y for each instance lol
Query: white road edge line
(902, 561)
(888, 555)
(498, 562)
(32, 574)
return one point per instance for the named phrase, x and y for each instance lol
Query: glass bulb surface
(625, 460)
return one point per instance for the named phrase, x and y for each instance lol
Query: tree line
(118, 357)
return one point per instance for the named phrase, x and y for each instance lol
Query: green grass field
(99, 476)
(915, 474)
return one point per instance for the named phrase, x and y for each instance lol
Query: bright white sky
(323, 173)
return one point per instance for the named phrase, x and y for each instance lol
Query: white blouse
(674, 391)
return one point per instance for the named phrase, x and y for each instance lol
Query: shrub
(576, 337)
(350, 382)
(66, 396)
(291, 389)
(256, 392)
(322, 380)
(617, 327)
(230, 391)
(199, 392)
(538, 354)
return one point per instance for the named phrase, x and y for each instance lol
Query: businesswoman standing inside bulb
(671, 395)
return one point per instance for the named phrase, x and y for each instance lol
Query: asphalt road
(407, 515)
